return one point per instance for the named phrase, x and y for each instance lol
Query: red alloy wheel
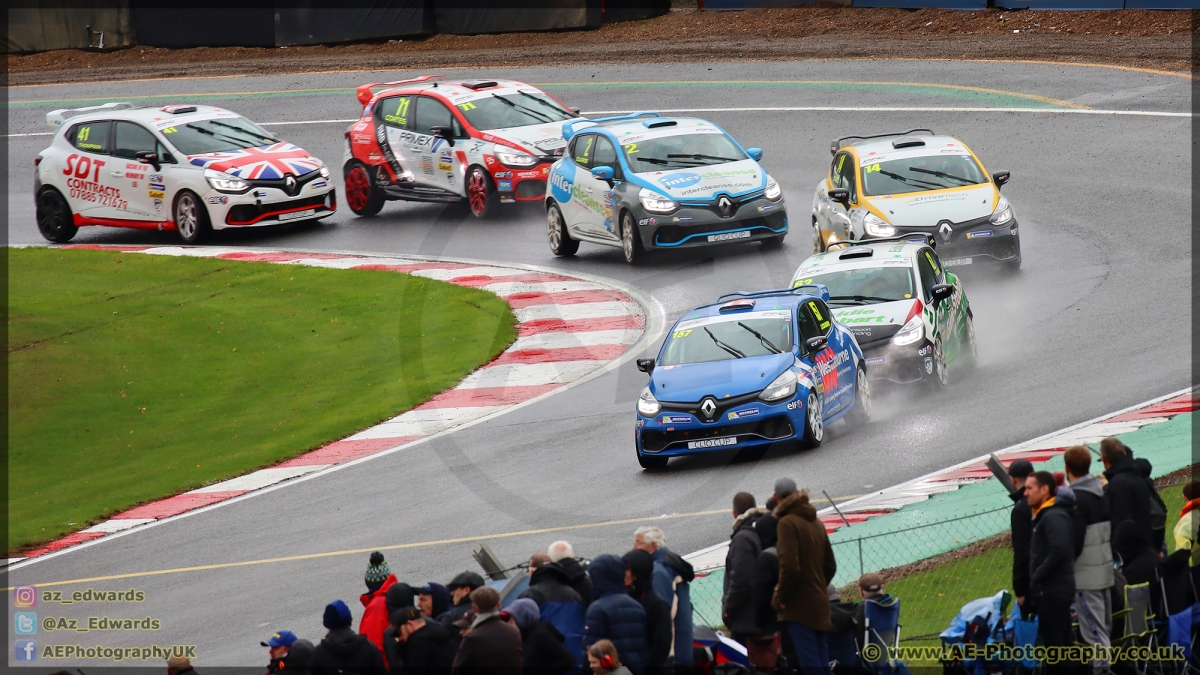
(477, 192)
(358, 188)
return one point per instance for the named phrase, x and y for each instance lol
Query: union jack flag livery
(267, 162)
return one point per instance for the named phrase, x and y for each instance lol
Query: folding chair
(1137, 620)
(881, 623)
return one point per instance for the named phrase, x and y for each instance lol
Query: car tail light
(37, 160)
(347, 134)
(916, 309)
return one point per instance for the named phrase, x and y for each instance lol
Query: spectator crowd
(1078, 540)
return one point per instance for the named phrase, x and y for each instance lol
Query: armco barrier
(466, 19)
(39, 28)
(318, 25)
(176, 27)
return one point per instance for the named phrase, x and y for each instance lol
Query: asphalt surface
(1098, 319)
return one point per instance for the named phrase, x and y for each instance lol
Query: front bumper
(899, 364)
(979, 244)
(260, 206)
(691, 226)
(672, 433)
(521, 185)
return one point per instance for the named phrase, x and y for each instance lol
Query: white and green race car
(908, 313)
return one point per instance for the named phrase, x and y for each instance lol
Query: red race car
(430, 139)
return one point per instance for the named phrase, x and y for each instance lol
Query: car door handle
(118, 174)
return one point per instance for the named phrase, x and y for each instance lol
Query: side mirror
(443, 132)
(147, 157)
(574, 110)
(604, 173)
(755, 154)
(841, 196)
(941, 292)
(817, 344)
(646, 365)
(1001, 177)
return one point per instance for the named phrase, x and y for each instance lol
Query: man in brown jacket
(489, 645)
(806, 566)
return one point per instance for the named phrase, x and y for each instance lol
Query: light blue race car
(766, 367)
(645, 182)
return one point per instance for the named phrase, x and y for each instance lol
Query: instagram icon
(25, 596)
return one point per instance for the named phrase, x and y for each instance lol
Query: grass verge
(133, 377)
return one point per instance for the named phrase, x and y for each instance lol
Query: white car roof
(639, 129)
(884, 251)
(880, 147)
(154, 116)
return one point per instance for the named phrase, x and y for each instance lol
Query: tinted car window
(606, 155)
(928, 276)
(431, 113)
(395, 111)
(217, 135)
(917, 174)
(90, 137)
(130, 139)
(681, 151)
(723, 338)
(864, 285)
(582, 150)
(846, 171)
(513, 110)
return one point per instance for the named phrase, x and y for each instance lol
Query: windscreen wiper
(546, 104)
(529, 111)
(942, 174)
(724, 346)
(902, 179)
(862, 298)
(766, 343)
(241, 130)
(699, 156)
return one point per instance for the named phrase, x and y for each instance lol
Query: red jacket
(375, 618)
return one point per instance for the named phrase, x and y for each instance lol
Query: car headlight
(324, 172)
(516, 158)
(783, 387)
(912, 331)
(877, 227)
(223, 182)
(1003, 214)
(656, 203)
(648, 406)
(773, 191)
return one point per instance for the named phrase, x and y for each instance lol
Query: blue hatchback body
(763, 368)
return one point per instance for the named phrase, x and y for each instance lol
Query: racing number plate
(729, 235)
(956, 262)
(297, 214)
(713, 443)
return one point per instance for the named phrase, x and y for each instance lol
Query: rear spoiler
(367, 91)
(569, 128)
(57, 117)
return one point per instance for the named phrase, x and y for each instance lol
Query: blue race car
(764, 368)
(644, 182)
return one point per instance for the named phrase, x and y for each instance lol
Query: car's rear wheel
(650, 462)
(54, 216)
(561, 243)
(363, 198)
(814, 422)
(191, 218)
(481, 196)
(631, 240)
(818, 240)
(863, 405)
(968, 347)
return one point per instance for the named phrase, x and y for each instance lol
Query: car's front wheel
(969, 348)
(863, 406)
(631, 240)
(939, 376)
(650, 462)
(481, 196)
(561, 243)
(814, 422)
(818, 240)
(363, 198)
(191, 218)
(54, 218)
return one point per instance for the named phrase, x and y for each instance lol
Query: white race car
(190, 168)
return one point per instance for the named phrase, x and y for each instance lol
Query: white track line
(1059, 111)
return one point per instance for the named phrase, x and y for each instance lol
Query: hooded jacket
(806, 564)
(1128, 495)
(1052, 552)
(1021, 521)
(544, 651)
(1158, 509)
(375, 617)
(344, 650)
(660, 632)
(441, 599)
(1093, 535)
(559, 604)
(1139, 562)
(492, 647)
(672, 580)
(737, 603)
(766, 576)
(298, 658)
(578, 579)
(615, 616)
(429, 649)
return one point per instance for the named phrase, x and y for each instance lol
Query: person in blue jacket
(672, 580)
(615, 616)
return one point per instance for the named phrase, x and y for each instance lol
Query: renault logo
(945, 229)
(290, 183)
(725, 205)
(708, 408)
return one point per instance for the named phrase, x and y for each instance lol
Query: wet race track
(1088, 325)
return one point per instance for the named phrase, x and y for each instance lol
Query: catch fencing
(934, 569)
